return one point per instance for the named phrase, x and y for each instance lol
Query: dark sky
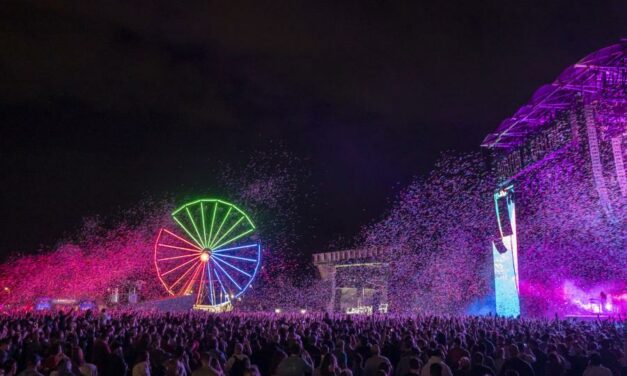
(102, 103)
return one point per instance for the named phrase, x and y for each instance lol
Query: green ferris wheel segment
(213, 223)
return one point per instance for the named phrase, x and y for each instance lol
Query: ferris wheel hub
(205, 255)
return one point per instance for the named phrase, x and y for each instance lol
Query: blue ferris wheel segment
(212, 293)
(233, 272)
(219, 250)
(227, 275)
(235, 257)
(226, 294)
(233, 267)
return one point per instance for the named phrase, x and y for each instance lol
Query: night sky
(104, 104)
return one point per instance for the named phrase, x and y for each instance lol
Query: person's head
(363, 341)
(65, 367)
(595, 359)
(375, 350)
(56, 349)
(554, 358)
(358, 360)
(143, 356)
(117, 349)
(239, 348)
(513, 351)
(435, 353)
(294, 349)
(324, 350)
(464, 362)
(435, 369)
(171, 368)
(246, 363)
(252, 371)
(5, 343)
(33, 361)
(500, 353)
(606, 344)
(533, 344)
(385, 367)
(339, 345)
(458, 342)
(214, 363)
(414, 364)
(179, 352)
(78, 356)
(10, 366)
(477, 358)
(205, 359)
(329, 363)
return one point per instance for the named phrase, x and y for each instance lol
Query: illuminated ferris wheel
(213, 252)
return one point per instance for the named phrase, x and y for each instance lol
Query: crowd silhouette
(138, 343)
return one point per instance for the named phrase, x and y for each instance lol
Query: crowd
(198, 344)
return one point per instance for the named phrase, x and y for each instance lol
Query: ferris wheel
(212, 252)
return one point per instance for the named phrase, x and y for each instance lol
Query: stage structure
(212, 251)
(583, 110)
(358, 279)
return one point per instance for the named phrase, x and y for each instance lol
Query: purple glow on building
(565, 152)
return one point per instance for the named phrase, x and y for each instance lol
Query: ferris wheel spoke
(213, 220)
(233, 267)
(204, 226)
(200, 239)
(190, 282)
(234, 257)
(229, 230)
(201, 286)
(183, 240)
(198, 243)
(181, 248)
(177, 268)
(215, 236)
(215, 271)
(235, 238)
(175, 257)
(221, 250)
(180, 278)
(227, 275)
(212, 296)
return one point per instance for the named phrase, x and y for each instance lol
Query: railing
(350, 254)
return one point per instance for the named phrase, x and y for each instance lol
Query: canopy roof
(601, 74)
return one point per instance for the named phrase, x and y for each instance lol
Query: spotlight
(277, 310)
(303, 311)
